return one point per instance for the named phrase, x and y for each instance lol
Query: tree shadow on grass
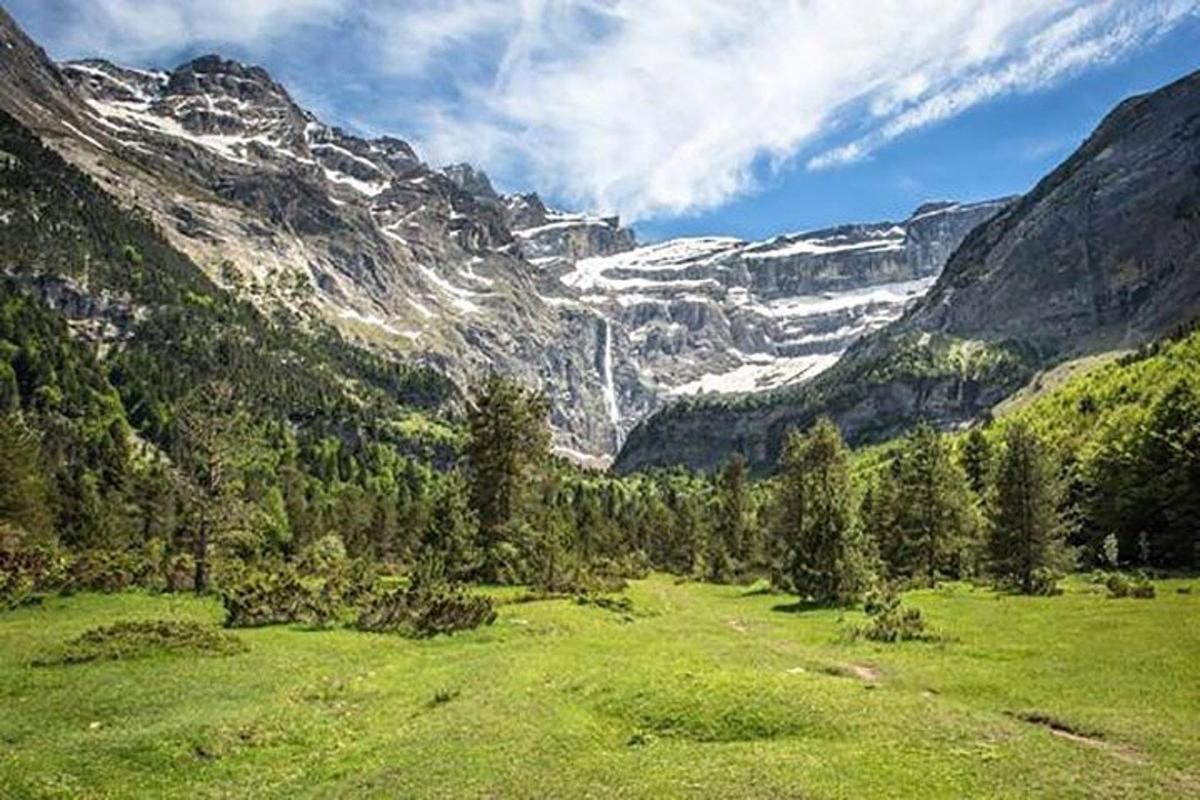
(800, 606)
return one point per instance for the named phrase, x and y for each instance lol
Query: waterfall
(610, 389)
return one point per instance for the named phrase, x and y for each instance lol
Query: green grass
(703, 691)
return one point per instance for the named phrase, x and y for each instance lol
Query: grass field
(706, 691)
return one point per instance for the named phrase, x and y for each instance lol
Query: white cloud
(140, 29)
(655, 107)
(665, 107)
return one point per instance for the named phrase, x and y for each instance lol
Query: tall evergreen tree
(976, 458)
(509, 447)
(215, 445)
(828, 557)
(1027, 542)
(731, 510)
(24, 484)
(938, 523)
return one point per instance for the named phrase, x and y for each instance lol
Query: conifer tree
(976, 459)
(24, 485)
(938, 523)
(828, 557)
(508, 449)
(1026, 543)
(727, 551)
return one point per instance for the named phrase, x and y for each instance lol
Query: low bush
(617, 605)
(264, 597)
(109, 571)
(27, 572)
(424, 611)
(137, 639)
(1120, 585)
(890, 621)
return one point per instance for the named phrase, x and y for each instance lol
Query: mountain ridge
(434, 266)
(1101, 254)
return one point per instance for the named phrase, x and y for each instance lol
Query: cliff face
(1103, 253)
(434, 266)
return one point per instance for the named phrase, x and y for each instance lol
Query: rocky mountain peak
(471, 180)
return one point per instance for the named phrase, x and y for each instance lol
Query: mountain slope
(1103, 253)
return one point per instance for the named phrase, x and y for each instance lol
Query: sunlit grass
(705, 691)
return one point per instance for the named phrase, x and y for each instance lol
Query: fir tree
(828, 557)
(508, 449)
(976, 459)
(24, 485)
(727, 551)
(1026, 543)
(938, 521)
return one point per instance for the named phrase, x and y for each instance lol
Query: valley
(329, 471)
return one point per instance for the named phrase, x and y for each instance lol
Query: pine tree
(728, 541)
(976, 458)
(881, 515)
(828, 557)
(507, 452)
(24, 485)
(1027, 543)
(938, 522)
(215, 445)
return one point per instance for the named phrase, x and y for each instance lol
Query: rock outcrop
(1103, 254)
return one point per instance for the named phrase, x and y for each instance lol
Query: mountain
(1103, 254)
(433, 266)
(720, 315)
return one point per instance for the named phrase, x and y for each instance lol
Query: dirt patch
(1092, 739)
(867, 673)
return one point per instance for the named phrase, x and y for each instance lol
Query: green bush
(109, 571)
(423, 611)
(26, 572)
(264, 597)
(1120, 585)
(890, 621)
(137, 639)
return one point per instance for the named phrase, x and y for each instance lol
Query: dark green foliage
(826, 556)
(891, 621)
(1120, 585)
(138, 639)
(425, 611)
(24, 489)
(931, 531)
(977, 459)
(1027, 546)
(730, 546)
(508, 449)
(27, 571)
(111, 571)
(265, 597)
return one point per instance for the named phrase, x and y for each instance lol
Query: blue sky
(739, 117)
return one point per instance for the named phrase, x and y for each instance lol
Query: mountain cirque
(434, 265)
(1102, 255)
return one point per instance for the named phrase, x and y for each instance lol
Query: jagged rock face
(435, 265)
(304, 216)
(1104, 253)
(723, 315)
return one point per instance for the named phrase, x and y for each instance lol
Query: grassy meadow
(702, 691)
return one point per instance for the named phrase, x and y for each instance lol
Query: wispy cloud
(657, 107)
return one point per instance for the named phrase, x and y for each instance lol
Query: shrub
(108, 571)
(424, 611)
(1120, 585)
(890, 621)
(263, 597)
(26, 572)
(180, 573)
(136, 639)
